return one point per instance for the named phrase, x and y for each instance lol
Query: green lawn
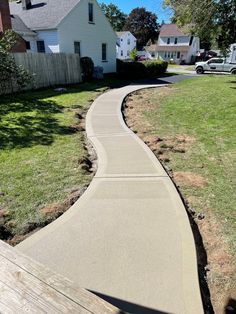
(205, 109)
(39, 153)
(202, 111)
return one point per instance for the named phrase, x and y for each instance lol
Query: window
(176, 41)
(90, 10)
(121, 53)
(128, 41)
(215, 61)
(27, 45)
(168, 41)
(178, 54)
(168, 54)
(121, 39)
(77, 47)
(165, 54)
(104, 52)
(40, 46)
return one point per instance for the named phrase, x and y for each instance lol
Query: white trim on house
(124, 44)
(177, 47)
(75, 27)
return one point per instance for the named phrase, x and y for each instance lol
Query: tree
(114, 15)
(212, 21)
(226, 23)
(143, 25)
(133, 54)
(10, 73)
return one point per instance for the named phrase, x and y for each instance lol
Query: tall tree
(226, 23)
(143, 25)
(114, 15)
(211, 20)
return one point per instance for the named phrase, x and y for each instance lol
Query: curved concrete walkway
(128, 238)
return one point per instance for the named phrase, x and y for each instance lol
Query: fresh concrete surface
(128, 237)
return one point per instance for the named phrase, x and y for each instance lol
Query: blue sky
(154, 6)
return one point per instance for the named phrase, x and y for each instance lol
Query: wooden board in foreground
(29, 287)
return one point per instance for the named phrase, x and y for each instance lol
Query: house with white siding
(66, 26)
(124, 44)
(174, 45)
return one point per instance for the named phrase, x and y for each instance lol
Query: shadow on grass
(26, 121)
(28, 118)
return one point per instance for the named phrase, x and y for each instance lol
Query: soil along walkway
(128, 238)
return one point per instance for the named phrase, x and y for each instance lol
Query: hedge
(142, 69)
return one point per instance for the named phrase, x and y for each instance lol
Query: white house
(174, 45)
(124, 44)
(232, 55)
(68, 26)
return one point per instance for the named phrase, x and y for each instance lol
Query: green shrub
(131, 70)
(144, 69)
(155, 67)
(87, 67)
(133, 54)
(12, 76)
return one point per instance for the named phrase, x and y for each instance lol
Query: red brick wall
(5, 18)
(5, 24)
(19, 46)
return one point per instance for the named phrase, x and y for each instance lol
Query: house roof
(119, 34)
(44, 14)
(168, 30)
(19, 26)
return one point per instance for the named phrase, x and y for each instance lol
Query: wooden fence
(49, 69)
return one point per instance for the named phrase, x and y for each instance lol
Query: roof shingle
(19, 26)
(44, 14)
(168, 30)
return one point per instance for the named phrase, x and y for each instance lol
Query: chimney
(26, 4)
(5, 17)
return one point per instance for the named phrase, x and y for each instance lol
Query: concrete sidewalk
(128, 238)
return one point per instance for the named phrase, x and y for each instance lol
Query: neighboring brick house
(68, 26)
(174, 45)
(9, 22)
(124, 44)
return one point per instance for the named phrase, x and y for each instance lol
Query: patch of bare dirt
(220, 270)
(189, 179)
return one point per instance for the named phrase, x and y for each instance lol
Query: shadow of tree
(28, 118)
(26, 121)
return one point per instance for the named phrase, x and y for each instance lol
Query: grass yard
(40, 154)
(191, 127)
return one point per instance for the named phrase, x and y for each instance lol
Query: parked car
(215, 65)
(142, 58)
